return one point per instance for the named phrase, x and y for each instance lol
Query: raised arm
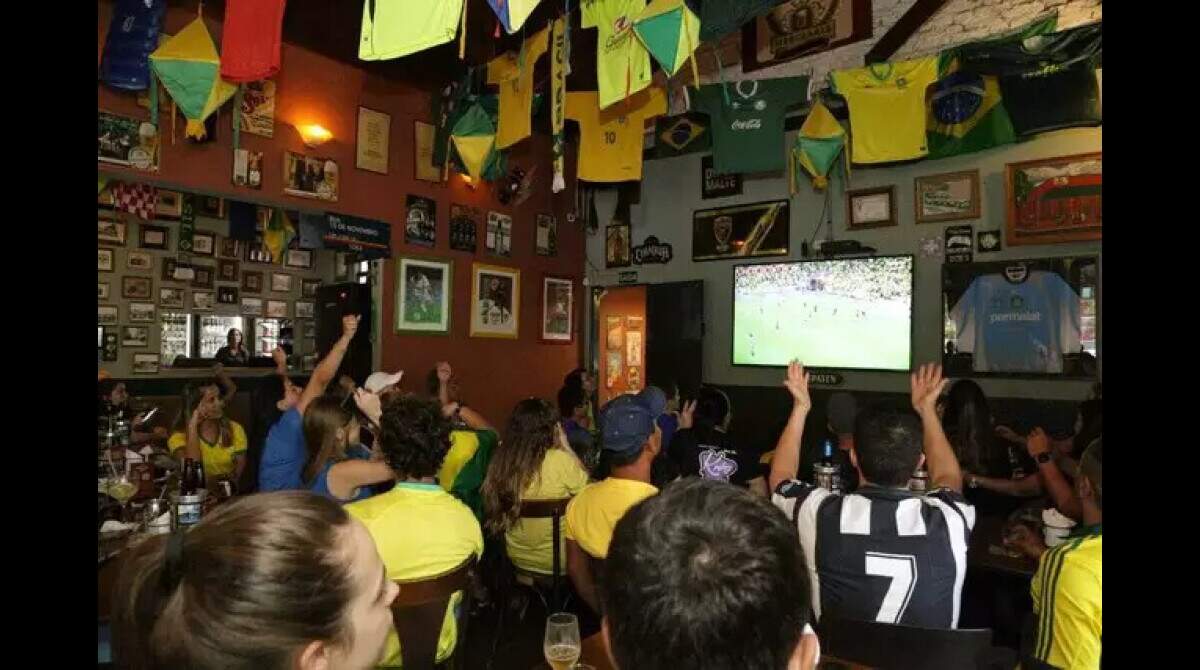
(944, 471)
(1052, 478)
(228, 388)
(786, 461)
(346, 477)
(444, 373)
(328, 367)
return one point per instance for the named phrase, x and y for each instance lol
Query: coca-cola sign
(652, 251)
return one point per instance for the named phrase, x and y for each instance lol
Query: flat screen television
(849, 313)
(1023, 318)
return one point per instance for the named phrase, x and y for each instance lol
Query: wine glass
(122, 488)
(561, 644)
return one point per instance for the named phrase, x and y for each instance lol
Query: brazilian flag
(681, 134)
(966, 114)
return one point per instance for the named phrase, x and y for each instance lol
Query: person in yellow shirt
(610, 140)
(536, 463)
(887, 108)
(513, 72)
(203, 432)
(420, 530)
(630, 439)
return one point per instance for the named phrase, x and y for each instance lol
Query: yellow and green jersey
(622, 62)
(395, 28)
(887, 108)
(1067, 598)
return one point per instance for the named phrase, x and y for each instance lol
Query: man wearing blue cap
(629, 440)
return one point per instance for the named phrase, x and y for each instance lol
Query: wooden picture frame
(145, 364)
(204, 244)
(277, 309)
(1054, 200)
(308, 287)
(103, 291)
(106, 315)
(282, 282)
(110, 231)
(557, 321)
(137, 288)
(298, 258)
(168, 204)
(372, 140)
(865, 210)
(104, 260)
(252, 281)
(203, 301)
(617, 245)
(423, 297)
(153, 237)
(495, 301)
(820, 31)
(949, 196)
(230, 248)
(305, 309)
(205, 276)
(423, 140)
(142, 312)
(170, 296)
(252, 306)
(139, 261)
(228, 270)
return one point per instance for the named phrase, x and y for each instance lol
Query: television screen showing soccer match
(853, 313)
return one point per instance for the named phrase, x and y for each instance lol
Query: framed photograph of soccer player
(871, 208)
(616, 245)
(558, 309)
(952, 196)
(495, 301)
(757, 229)
(423, 290)
(1054, 200)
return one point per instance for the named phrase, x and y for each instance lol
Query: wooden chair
(554, 510)
(898, 647)
(419, 610)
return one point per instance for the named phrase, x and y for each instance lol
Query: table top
(986, 541)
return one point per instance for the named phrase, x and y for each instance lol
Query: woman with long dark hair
(339, 467)
(534, 463)
(203, 431)
(233, 353)
(996, 472)
(238, 591)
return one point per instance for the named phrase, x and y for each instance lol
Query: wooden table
(988, 533)
(595, 654)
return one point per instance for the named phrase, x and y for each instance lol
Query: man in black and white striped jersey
(881, 553)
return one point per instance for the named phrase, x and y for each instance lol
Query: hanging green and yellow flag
(190, 69)
(278, 234)
(474, 140)
(816, 148)
(670, 31)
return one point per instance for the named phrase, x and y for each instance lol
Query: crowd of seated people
(724, 561)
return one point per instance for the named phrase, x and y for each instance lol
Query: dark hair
(255, 581)
(190, 397)
(105, 387)
(887, 441)
(432, 383)
(323, 417)
(413, 435)
(1091, 465)
(1092, 414)
(712, 406)
(529, 435)
(704, 575)
(574, 378)
(968, 423)
(570, 398)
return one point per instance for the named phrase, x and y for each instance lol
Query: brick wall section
(959, 21)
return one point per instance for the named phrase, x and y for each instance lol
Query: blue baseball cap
(627, 421)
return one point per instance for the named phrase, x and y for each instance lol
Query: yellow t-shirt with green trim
(594, 512)
(401, 27)
(463, 445)
(1067, 596)
(610, 140)
(420, 531)
(513, 73)
(529, 540)
(887, 108)
(217, 460)
(622, 62)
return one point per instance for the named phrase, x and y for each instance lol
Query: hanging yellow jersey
(513, 72)
(622, 62)
(610, 140)
(887, 108)
(395, 28)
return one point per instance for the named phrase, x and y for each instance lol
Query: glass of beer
(561, 644)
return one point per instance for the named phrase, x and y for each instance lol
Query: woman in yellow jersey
(535, 463)
(203, 432)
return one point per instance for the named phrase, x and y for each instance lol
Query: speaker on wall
(333, 302)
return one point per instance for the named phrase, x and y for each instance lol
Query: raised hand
(1038, 442)
(350, 325)
(280, 358)
(927, 384)
(687, 415)
(797, 384)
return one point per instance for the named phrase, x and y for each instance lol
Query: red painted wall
(494, 374)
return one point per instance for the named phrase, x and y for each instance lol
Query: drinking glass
(122, 488)
(561, 644)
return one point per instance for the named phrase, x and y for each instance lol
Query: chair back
(552, 509)
(899, 647)
(420, 608)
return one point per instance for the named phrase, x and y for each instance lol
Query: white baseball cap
(379, 381)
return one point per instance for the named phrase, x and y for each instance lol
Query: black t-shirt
(710, 453)
(226, 356)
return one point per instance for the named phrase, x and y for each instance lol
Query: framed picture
(281, 283)
(258, 108)
(558, 309)
(499, 234)
(135, 336)
(308, 287)
(122, 140)
(871, 208)
(947, 197)
(741, 231)
(1054, 200)
(546, 240)
(203, 300)
(252, 282)
(310, 177)
(211, 206)
(227, 270)
(106, 315)
(110, 231)
(423, 141)
(464, 227)
(247, 168)
(341, 266)
(423, 290)
(204, 276)
(204, 244)
(305, 309)
(371, 145)
(257, 252)
(230, 248)
(227, 295)
(298, 258)
(277, 309)
(110, 344)
(141, 312)
(495, 301)
(713, 184)
(616, 245)
(310, 330)
(168, 204)
(420, 226)
(104, 260)
(152, 237)
(169, 266)
(104, 290)
(137, 288)
(252, 306)
(170, 297)
(145, 364)
(139, 260)
(799, 28)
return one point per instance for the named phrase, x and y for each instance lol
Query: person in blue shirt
(284, 454)
(338, 466)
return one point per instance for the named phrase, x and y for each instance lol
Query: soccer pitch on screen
(853, 313)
